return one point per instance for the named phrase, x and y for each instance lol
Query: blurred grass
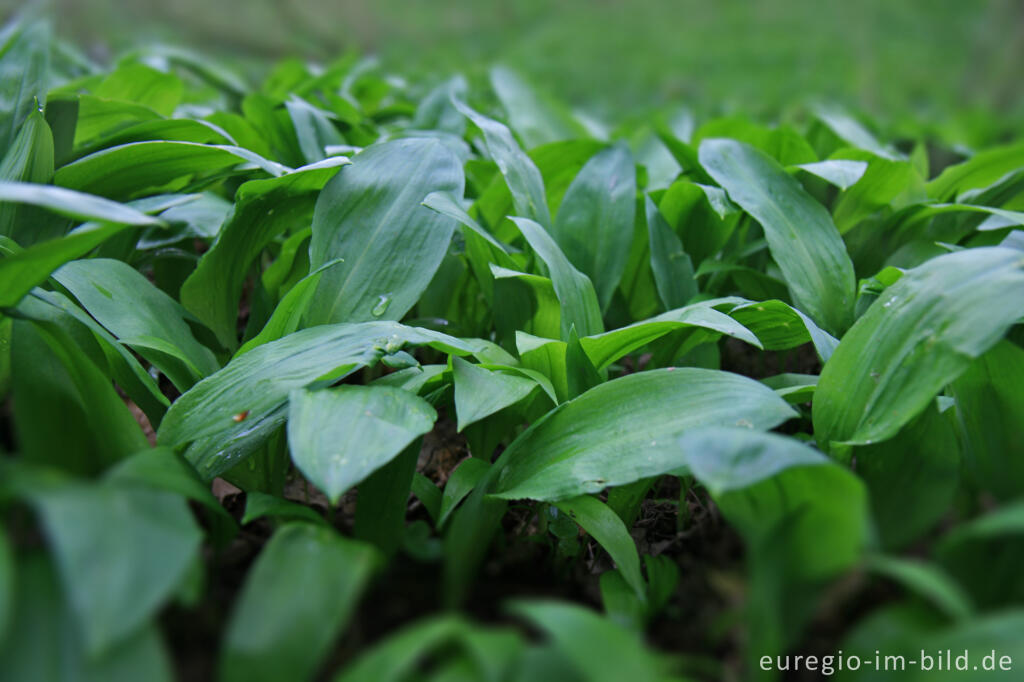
(932, 60)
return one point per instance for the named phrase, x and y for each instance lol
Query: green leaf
(121, 549)
(981, 170)
(760, 480)
(7, 585)
(393, 659)
(72, 204)
(480, 392)
(594, 227)
(801, 236)
(603, 349)
(48, 644)
(990, 407)
(384, 497)
(132, 309)
(263, 209)
(600, 650)
(338, 437)
(575, 291)
(259, 505)
(928, 580)
(670, 264)
(231, 412)
(520, 173)
(140, 84)
(578, 447)
(850, 130)
(24, 61)
(29, 159)
(611, 533)
(287, 316)
(371, 216)
(131, 170)
(913, 477)
(537, 120)
(917, 337)
(463, 479)
(839, 172)
(277, 632)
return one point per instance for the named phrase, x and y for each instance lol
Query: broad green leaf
(839, 172)
(537, 120)
(600, 650)
(981, 170)
(850, 130)
(611, 533)
(371, 216)
(520, 173)
(575, 291)
(130, 170)
(132, 309)
(990, 407)
(162, 469)
(263, 209)
(57, 382)
(801, 235)
(277, 632)
(703, 220)
(121, 551)
(480, 392)
(608, 347)
(670, 264)
(124, 368)
(761, 480)
(29, 159)
(912, 477)
(528, 304)
(48, 644)
(173, 130)
(779, 326)
(920, 335)
(594, 226)
(72, 204)
(24, 60)
(578, 447)
(466, 476)
(140, 84)
(231, 412)
(883, 182)
(340, 436)
(313, 127)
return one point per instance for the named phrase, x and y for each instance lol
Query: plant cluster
(342, 377)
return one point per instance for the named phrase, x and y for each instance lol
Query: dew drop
(383, 301)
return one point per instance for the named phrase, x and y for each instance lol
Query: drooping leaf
(233, 411)
(263, 209)
(801, 235)
(133, 310)
(578, 447)
(371, 216)
(338, 437)
(580, 307)
(121, 551)
(917, 337)
(594, 226)
(520, 173)
(480, 392)
(990, 407)
(611, 533)
(277, 632)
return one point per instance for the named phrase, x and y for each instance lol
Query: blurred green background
(932, 60)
